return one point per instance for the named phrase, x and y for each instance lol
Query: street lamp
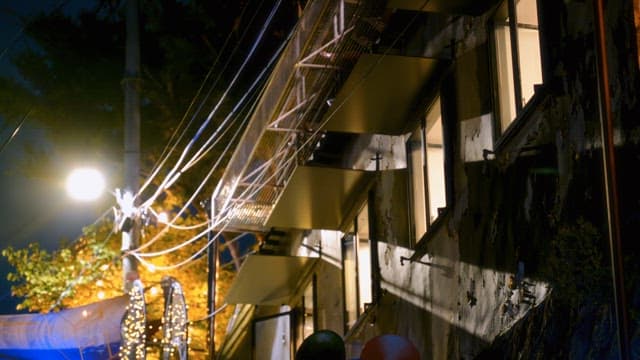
(85, 184)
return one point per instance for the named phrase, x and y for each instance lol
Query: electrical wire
(177, 227)
(202, 184)
(221, 308)
(59, 5)
(254, 98)
(15, 131)
(165, 155)
(190, 259)
(286, 162)
(203, 126)
(335, 108)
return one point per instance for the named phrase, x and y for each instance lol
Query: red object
(389, 347)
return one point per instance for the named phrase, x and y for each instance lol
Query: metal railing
(286, 123)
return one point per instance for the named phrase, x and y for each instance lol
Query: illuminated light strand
(133, 325)
(174, 319)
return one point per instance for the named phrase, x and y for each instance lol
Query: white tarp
(87, 332)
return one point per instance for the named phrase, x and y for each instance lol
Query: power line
(166, 153)
(170, 176)
(20, 32)
(15, 131)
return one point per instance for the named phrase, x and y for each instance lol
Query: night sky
(34, 209)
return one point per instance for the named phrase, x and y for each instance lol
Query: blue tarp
(90, 332)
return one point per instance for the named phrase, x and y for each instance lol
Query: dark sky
(33, 209)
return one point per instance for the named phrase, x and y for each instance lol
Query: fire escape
(287, 124)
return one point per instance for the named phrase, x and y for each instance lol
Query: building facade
(441, 170)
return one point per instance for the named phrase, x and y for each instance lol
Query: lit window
(425, 159)
(357, 268)
(516, 83)
(309, 311)
(272, 336)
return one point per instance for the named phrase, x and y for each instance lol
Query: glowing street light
(85, 184)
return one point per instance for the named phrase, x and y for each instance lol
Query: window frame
(353, 236)
(430, 223)
(302, 314)
(289, 315)
(504, 11)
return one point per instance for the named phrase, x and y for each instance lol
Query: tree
(69, 84)
(89, 270)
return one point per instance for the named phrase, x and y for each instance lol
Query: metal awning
(379, 93)
(269, 279)
(318, 198)
(462, 7)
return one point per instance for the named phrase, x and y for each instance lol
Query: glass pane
(273, 338)
(506, 93)
(350, 279)
(364, 258)
(435, 162)
(530, 65)
(529, 60)
(527, 13)
(416, 160)
(307, 319)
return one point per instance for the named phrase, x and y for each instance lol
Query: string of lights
(133, 325)
(174, 320)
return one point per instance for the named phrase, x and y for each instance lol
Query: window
(356, 257)
(272, 336)
(425, 160)
(308, 309)
(518, 64)
(305, 320)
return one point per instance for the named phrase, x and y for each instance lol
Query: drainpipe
(610, 181)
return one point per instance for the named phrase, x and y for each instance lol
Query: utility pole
(131, 84)
(212, 263)
(211, 293)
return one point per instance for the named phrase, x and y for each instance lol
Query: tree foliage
(53, 280)
(70, 72)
